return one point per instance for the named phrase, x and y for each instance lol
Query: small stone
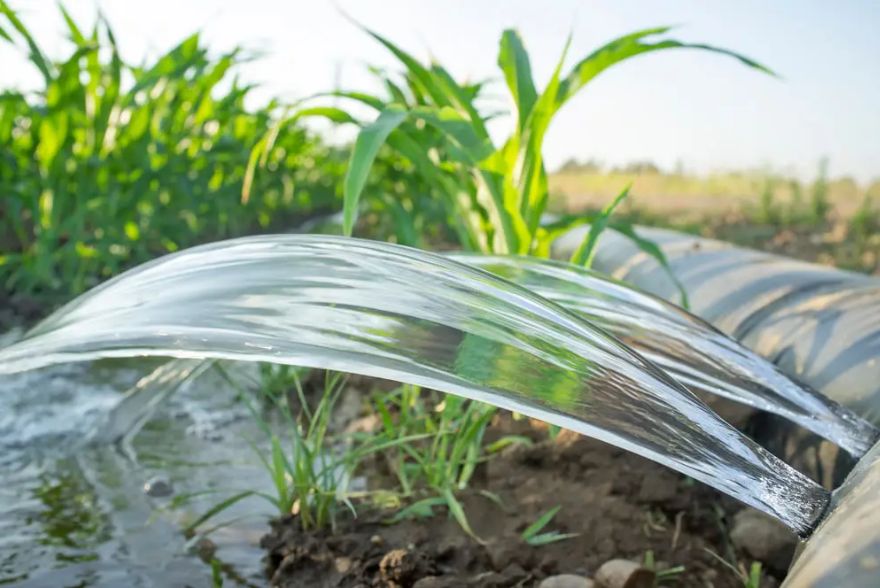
(763, 538)
(623, 573)
(205, 548)
(377, 540)
(566, 581)
(342, 564)
(158, 487)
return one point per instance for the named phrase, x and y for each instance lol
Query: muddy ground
(618, 504)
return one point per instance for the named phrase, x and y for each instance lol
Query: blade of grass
(457, 512)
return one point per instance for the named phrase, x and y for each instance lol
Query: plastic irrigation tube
(844, 550)
(821, 326)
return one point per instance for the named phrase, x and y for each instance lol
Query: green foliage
(493, 196)
(454, 426)
(866, 220)
(662, 576)
(795, 212)
(819, 203)
(753, 579)
(768, 209)
(310, 475)
(439, 443)
(109, 164)
(216, 574)
(533, 536)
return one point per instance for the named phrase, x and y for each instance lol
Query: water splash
(402, 314)
(694, 352)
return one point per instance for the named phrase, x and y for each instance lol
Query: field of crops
(110, 164)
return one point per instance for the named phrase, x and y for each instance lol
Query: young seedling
(533, 536)
(753, 579)
(310, 471)
(448, 448)
(749, 579)
(664, 576)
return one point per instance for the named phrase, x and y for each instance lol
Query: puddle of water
(74, 513)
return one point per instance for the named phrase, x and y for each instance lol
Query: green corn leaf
(36, 55)
(420, 76)
(628, 46)
(530, 175)
(260, 151)
(394, 91)
(513, 59)
(587, 250)
(362, 97)
(75, 33)
(651, 248)
(459, 97)
(474, 147)
(336, 115)
(366, 147)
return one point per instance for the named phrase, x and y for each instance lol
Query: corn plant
(109, 164)
(494, 196)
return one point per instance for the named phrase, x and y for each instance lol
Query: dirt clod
(402, 567)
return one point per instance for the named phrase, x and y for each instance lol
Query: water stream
(688, 348)
(411, 316)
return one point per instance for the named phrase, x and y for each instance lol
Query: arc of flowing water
(393, 312)
(690, 349)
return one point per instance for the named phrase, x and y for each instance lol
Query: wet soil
(618, 504)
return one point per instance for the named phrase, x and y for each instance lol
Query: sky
(704, 111)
